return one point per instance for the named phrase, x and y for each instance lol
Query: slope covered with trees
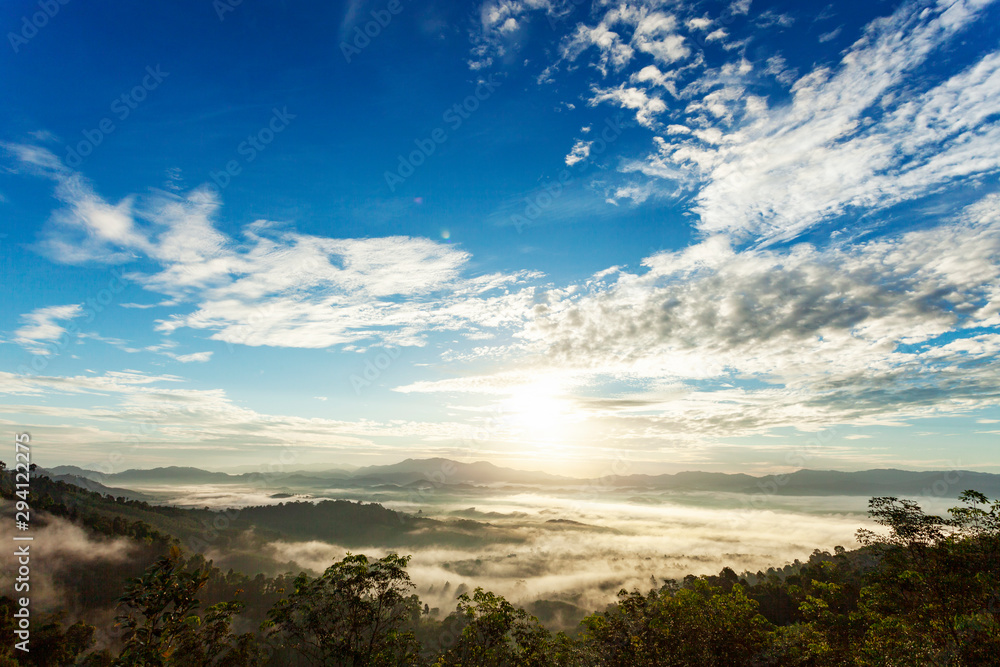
(922, 592)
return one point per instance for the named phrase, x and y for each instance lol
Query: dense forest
(924, 591)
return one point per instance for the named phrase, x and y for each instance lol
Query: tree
(51, 644)
(496, 634)
(699, 625)
(933, 600)
(161, 626)
(356, 613)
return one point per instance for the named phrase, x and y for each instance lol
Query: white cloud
(499, 22)
(723, 105)
(652, 75)
(646, 107)
(830, 150)
(855, 136)
(655, 34)
(625, 30)
(35, 157)
(41, 329)
(740, 6)
(771, 18)
(829, 36)
(274, 286)
(614, 51)
(197, 356)
(89, 229)
(637, 193)
(121, 417)
(579, 153)
(717, 35)
(777, 67)
(711, 342)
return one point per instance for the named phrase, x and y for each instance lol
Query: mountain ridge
(445, 472)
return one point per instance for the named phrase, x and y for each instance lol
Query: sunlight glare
(540, 414)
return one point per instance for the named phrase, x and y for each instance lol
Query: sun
(539, 413)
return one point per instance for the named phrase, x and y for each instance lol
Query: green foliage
(924, 591)
(162, 626)
(495, 633)
(356, 613)
(934, 601)
(51, 644)
(104, 515)
(699, 625)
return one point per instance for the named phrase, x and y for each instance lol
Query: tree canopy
(923, 590)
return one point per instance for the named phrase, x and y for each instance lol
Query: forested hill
(349, 524)
(923, 593)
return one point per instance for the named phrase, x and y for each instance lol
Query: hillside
(347, 523)
(923, 594)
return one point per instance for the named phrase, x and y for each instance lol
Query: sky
(582, 237)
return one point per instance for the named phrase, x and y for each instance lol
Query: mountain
(333, 471)
(456, 475)
(447, 471)
(171, 475)
(683, 481)
(879, 482)
(76, 471)
(95, 486)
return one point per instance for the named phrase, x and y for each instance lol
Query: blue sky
(551, 234)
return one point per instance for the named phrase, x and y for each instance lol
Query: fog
(216, 496)
(567, 545)
(59, 552)
(584, 552)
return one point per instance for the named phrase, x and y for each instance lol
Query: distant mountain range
(448, 473)
(171, 475)
(97, 487)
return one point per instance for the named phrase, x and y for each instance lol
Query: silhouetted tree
(356, 613)
(496, 634)
(162, 627)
